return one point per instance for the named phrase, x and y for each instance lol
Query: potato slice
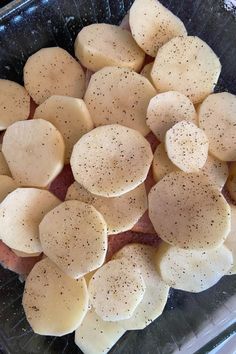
(192, 270)
(116, 289)
(74, 236)
(7, 185)
(188, 211)
(162, 165)
(20, 215)
(14, 103)
(25, 255)
(152, 25)
(54, 303)
(53, 71)
(231, 181)
(187, 146)
(101, 44)
(166, 109)
(217, 117)
(111, 160)
(146, 71)
(95, 336)
(69, 115)
(216, 170)
(230, 242)
(156, 293)
(120, 213)
(119, 95)
(34, 151)
(4, 169)
(187, 65)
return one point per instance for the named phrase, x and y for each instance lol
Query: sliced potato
(192, 270)
(217, 117)
(54, 303)
(34, 151)
(187, 146)
(4, 169)
(74, 236)
(162, 165)
(7, 185)
(69, 115)
(120, 213)
(119, 95)
(216, 170)
(20, 214)
(101, 44)
(14, 103)
(152, 25)
(156, 293)
(53, 71)
(116, 289)
(187, 65)
(231, 239)
(188, 211)
(111, 160)
(166, 109)
(231, 181)
(25, 255)
(146, 71)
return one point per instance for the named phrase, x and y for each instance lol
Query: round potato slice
(166, 109)
(119, 95)
(217, 117)
(101, 44)
(146, 71)
(25, 255)
(7, 185)
(54, 303)
(120, 213)
(187, 146)
(188, 211)
(192, 270)
(53, 71)
(74, 236)
(187, 65)
(231, 181)
(20, 214)
(14, 103)
(116, 289)
(69, 115)
(152, 25)
(162, 165)
(230, 242)
(34, 151)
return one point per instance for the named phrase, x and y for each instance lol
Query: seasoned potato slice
(231, 239)
(231, 181)
(7, 185)
(162, 165)
(146, 71)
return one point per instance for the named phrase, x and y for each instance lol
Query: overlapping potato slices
(4, 169)
(230, 242)
(7, 185)
(231, 181)
(146, 71)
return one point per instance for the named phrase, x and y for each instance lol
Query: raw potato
(53, 71)
(231, 182)
(120, 213)
(7, 185)
(54, 303)
(111, 160)
(25, 255)
(156, 293)
(95, 336)
(188, 211)
(4, 169)
(216, 170)
(101, 44)
(20, 214)
(187, 65)
(166, 109)
(146, 71)
(231, 239)
(69, 115)
(187, 146)
(116, 289)
(192, 270)
(74, 236)
(162, 165)
(14, 103)
(152, 25)
(217, 117)
(34, 151)
(119, 95)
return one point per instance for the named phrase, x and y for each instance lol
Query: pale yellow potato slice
(162, 165)
(156, 293)
(54, 303)
(69, 115)
(111, 160)
(4, 169)
(7, 185)
(230, 242)
(188, 211)
(192, 270)
(116, 289)
(166, 109)
(53, 71)
(34, 150)
(187, 65)
(231, 181)
(217, 117)
(25, 255)
(20, 214)
(74, 236)
(120, 213)
(14, 103)
(101, 44)
(152, 25)
(146, 71)
(187, 146)
(119, 95)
